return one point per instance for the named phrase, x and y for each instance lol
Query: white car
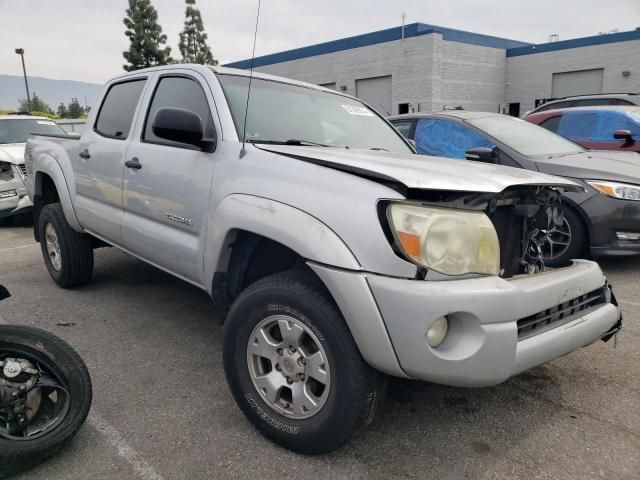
(14, 131)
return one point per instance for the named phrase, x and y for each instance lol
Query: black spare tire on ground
(45, 396)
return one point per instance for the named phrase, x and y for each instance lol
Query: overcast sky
(84, 39)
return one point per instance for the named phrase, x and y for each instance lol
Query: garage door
(376, 92)
(581, 82)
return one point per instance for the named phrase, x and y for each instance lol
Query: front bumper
(482, 347)
(16, 204)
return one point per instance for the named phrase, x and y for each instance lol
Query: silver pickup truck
(340, 255)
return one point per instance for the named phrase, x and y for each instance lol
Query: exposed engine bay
(518, 214)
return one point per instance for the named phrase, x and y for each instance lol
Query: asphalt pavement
(162, 409)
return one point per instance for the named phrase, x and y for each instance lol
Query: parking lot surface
(162, 409)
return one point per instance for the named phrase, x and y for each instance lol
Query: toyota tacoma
(340, 256)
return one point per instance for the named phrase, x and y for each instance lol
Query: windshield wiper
(291, 141)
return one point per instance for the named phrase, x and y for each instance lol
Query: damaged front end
(518, 215)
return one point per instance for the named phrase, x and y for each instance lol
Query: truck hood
(595, 165)
(12, 153)
(420, 171)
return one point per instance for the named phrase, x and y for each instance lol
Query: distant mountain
(51, 91)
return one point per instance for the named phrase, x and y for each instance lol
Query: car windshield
(18, 130)
(525, 138)
(290, 114)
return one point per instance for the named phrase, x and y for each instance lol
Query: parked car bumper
(614, 223)
(483, 345)
(13, 198)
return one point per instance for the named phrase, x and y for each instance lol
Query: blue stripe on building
(381, 36)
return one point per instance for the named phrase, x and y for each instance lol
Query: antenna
(246, 110)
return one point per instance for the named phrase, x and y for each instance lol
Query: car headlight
(624, 191)
(6, 172)
(449, 241)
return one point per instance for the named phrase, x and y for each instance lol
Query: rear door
(166, 197)
(99, 164)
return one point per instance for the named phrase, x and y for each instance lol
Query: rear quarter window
(118, 108)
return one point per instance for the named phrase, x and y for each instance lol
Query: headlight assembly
(453, 242)
(624, 191)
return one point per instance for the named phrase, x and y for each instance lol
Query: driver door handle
(133, 163)
(84, 154)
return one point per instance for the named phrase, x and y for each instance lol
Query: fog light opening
(437, 332)
(628, 236)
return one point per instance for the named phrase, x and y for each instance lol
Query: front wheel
(45, 396)
(293, 366)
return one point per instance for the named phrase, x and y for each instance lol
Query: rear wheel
(67, 254)
(293, 366)
(562, 243)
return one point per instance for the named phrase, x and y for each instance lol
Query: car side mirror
(182, 126)
(482, 154)
(623, 135)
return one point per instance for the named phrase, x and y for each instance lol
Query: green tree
(36, 105)
(146, 37)
(62, 110)
(193, 40)
(74, 109)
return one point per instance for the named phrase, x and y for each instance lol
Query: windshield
(17, 131)
(285, 113)
(525, 138)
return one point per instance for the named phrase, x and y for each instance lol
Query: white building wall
(411, 72)
(470, 76)
(530, 76)
(431, 73)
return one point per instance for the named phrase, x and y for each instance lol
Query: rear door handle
(84, 154)
(133, 163)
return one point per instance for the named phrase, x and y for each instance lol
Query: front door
(167, 189)
(99, 161)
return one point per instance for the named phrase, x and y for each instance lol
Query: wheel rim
(53, 247)
(288, 366)
(34, 399)
(556, 241)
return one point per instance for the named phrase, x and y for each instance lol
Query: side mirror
(623, 135)
(182, 126)
(482, 154)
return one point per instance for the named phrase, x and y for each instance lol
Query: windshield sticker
(356, 110)
(45, 122)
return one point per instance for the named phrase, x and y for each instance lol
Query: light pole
(20, 51)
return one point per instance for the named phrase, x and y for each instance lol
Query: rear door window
(443, 138)
(118, 108)
(178, 92)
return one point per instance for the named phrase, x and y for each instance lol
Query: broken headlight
(449, 241)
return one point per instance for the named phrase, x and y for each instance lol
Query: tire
(354, 390)
(72, 265)
(578, 242)
(58, 358)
